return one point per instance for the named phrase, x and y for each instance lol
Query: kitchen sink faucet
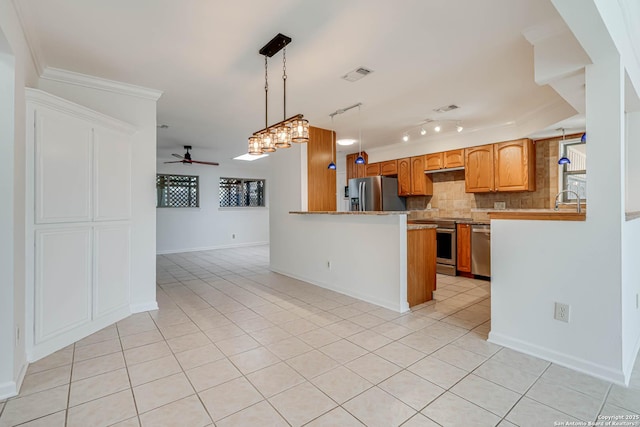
(566, 191)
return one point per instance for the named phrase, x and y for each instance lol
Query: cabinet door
(421, 265)
(421, 184)
(478, 173)
(63, 168)
(390, 167)
(404, 177)
(361, 170)
(434, 161)
(62, 281)
(372, 169)
(321, 181)
(464, 248)
(112, 175)
(454, 159)
(351, 167)
(515, 165)
(111, 275)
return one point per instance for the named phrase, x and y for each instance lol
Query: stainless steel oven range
(445, 243)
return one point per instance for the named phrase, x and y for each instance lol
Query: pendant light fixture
(332, 165)
(564, 160)
(360, 159)
(292, 129)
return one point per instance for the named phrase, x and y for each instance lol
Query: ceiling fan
(187, 158)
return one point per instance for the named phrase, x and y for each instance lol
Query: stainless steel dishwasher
(481, 250)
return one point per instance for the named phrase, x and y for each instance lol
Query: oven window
(444, 245)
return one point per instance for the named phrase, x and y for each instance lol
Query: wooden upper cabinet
(515, 165)
(411, 178)
(390, 167)
(454, 158)
(404, 177)
(434, 161)
(463, 247)
(478, 175)
(321, 181)
(354, 170)
(372, 169)
(505, 166)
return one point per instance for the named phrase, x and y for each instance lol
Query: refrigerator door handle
(364, 198)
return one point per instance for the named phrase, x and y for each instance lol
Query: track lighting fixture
(423, 131)
(405, 137)
(459, 128)
(437, 128)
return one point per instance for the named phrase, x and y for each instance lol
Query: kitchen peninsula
(373, 256)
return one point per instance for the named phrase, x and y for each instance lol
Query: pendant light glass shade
(583, 138)
(332, 166)
(300, 130)
(564, 161)
(255, 146)
(268, 141)
(283, 139)
(359, 160)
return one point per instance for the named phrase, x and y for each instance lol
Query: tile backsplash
(450, 200)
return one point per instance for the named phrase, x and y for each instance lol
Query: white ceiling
(204, 56)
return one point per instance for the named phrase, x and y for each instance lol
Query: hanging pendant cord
(360, 129)
(266, 92)
(284, 82)
(332, 142)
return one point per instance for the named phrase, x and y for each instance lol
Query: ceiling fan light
(255, 146)
(300, 130)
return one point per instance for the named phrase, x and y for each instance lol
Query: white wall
(630, 293)
(367, 253)
(141, 113)
(209, 226)
(632, 170)
(16, 71)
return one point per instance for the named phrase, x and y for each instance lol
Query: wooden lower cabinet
(421, 265)
(463, 245)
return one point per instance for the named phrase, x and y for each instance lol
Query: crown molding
(84, 80)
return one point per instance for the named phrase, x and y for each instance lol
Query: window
(177, 191)
(241, 192)
(573, 176)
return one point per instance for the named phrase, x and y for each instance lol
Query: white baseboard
(11, 388)
(631, 362)
(210, 248)
(400, 308)
(571, 362)
(143, 306)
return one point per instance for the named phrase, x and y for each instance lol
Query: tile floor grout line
(604, 402)
(66, 412)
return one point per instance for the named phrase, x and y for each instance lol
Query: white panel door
(111, 253)
(112, 177)
(63, 273)
(63, 151)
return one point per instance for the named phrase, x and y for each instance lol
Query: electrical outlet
(562, 312)
(499, 205)
(329, 265)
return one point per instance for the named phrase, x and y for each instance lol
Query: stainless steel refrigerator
(375, 193)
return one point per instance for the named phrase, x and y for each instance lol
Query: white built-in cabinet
(79, 219)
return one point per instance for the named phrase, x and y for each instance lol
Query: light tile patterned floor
(236, 345)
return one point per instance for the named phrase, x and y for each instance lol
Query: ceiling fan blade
(205, 163)
(177, 161)
(178, 156)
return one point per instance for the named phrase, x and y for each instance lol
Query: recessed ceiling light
(250, 157)
(346, 141)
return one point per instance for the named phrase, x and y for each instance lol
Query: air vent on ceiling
(446, 108)
(357, 74)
